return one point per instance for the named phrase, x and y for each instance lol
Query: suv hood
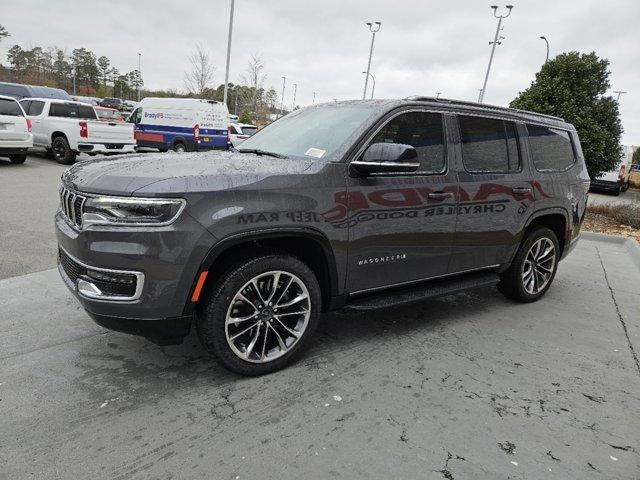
(157, 174)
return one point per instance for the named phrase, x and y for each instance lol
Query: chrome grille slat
(72, 206)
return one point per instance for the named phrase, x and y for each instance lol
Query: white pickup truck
(67, 128)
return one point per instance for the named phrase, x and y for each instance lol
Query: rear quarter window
(551, 149)
(10, 108)
(489, 145)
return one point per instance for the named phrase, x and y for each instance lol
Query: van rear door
(13, 124)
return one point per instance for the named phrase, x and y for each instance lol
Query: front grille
(72, 205)
(75, 271)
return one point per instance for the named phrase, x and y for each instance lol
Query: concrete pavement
(465, 386)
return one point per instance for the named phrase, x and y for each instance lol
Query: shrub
(624, 214)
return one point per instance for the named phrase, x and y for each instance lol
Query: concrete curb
(633, 247)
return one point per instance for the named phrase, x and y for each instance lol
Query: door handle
(440, 195)
(521, 190)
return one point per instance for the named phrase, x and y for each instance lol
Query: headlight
(131, 211)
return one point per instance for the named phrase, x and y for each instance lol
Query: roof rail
(421, 98)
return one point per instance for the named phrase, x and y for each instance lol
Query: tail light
(84, 132)
(196, 132)
(623, 169)
(29, 125)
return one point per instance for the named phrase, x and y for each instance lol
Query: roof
(61, 100)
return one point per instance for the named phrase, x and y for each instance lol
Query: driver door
(401, 225)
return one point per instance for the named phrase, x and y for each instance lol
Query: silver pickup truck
(67, 128)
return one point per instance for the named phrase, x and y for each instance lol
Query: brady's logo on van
(153, 115)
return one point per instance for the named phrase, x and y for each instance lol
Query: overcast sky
(423, 46)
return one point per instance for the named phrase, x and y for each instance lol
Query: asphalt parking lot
(465, 386)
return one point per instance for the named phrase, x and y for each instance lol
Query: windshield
(313, 132)
(108, 114)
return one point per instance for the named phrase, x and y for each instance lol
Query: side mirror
(387, 157)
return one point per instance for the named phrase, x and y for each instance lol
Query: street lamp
(226, 72)
(295, 90)
(139, 74)
(373, 83)
(314, 97)
(373, 28)
(547, 42)
(619, 92)
(496, 41)
(438, 94)
(284, 81)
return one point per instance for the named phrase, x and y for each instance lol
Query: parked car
(15, 130)
(359, 204)
(181, 124)
(111, 102)
(20, 91)
(90, 100)
(239, 132)
(109, 114)
(233, 118)
(616, 180)
(69, 128)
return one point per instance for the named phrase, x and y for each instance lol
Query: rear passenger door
(401, 224)
(496, 192)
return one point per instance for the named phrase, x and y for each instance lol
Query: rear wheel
(260, 313)
(18, 158)
(62, 151)
(533, 268)
(179, 147)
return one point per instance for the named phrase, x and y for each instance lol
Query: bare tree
(199, 78)
(254, 79)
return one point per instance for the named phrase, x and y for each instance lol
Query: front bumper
(165, 259)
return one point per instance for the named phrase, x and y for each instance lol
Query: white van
(181, 124)
(617, 179)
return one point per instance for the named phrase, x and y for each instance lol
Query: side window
(85, 111)
(136, 116)
(551, 148)
(25, 105)
(232, 130)
(489, 145)
(36, 107)
(422, 130)
(67, 110)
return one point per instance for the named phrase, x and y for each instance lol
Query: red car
(108, 114)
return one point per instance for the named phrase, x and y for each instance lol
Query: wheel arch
(310, 245)
(556, 219)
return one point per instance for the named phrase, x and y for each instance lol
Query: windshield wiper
(259, 152)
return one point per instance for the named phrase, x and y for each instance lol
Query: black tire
(62, 152)
(511, 280)
(212, 310)
(625, 186)
(617, 191)
(163, 150)
(179, 147)
(18, 158)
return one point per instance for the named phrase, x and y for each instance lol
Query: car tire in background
(179, 147)
(62, 151)
(18, 158)
(534, 267)
(260, 313)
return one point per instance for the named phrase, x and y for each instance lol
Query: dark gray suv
(359, 204)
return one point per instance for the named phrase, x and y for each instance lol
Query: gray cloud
(423, 47)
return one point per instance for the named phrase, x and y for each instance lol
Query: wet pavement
(465, 386)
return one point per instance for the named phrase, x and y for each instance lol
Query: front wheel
(179, 147)
(533, 268)
(260, 313)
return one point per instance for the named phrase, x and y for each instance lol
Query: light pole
(619, 92)
(496, 41)
(139, 74)
(226, 72)
(373, 83)
(547, 42)
(314, 97)
(373, 28)
(438, 94)
(479, 94)
(284, 80)
(295, 90)
(74, 81)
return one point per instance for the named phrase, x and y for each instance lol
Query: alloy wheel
(539, 265)
(267, 316)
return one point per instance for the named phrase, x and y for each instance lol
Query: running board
(432, 289)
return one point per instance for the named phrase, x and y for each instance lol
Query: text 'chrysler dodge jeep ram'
(358, 204)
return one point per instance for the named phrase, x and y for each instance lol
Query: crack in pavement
(620, 317)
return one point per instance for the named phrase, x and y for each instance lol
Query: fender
(270, 233)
